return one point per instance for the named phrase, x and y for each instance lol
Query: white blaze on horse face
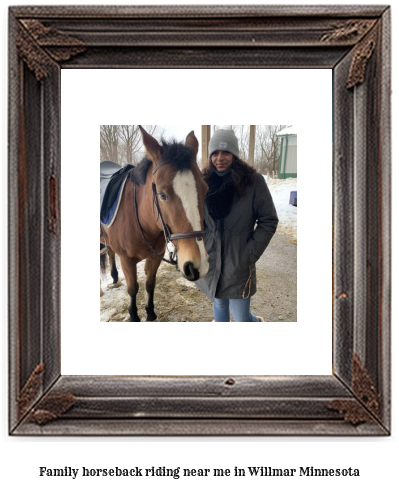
(185, 188)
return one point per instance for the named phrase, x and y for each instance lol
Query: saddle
(112, 180)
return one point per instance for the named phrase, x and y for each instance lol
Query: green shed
(287, 166)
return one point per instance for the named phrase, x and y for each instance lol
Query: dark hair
(243, 174)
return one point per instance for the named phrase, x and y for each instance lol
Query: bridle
(169, 237)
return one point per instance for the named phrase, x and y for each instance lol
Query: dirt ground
(276, 298)
(178, 300)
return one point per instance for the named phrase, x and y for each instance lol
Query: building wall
(288, 157)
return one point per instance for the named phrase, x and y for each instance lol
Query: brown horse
(162, 203)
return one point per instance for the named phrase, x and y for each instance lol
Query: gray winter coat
(234, 244)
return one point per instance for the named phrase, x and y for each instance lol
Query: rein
(169, 237)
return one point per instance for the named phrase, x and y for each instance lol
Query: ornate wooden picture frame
(352, 41)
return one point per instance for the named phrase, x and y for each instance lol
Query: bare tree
(109, 143)
(268, 149)
(242, 134)
(130, 141)
(122, 143)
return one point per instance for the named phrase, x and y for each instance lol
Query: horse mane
(175, 153)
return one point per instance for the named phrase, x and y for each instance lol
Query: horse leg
(102, 267)
(114, 270)
(150, 268)
(130, 271)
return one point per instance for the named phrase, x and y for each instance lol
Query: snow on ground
(287, 214)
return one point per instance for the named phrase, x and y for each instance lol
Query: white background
(300, 97)
(21, 457)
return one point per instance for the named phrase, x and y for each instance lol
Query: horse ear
(192, 141)
(151, 144)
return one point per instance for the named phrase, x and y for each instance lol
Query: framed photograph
(353, 44)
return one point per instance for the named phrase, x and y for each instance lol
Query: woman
(240, 220)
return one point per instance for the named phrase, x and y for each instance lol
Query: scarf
(220, 196)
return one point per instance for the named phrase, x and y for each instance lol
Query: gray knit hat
(224, 140)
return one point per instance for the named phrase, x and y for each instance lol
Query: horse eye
(162, 196)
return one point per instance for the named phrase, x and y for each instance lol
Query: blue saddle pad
(112, 180)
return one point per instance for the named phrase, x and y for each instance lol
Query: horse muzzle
(190, 272)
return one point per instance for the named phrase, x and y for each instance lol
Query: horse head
(179, 195)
